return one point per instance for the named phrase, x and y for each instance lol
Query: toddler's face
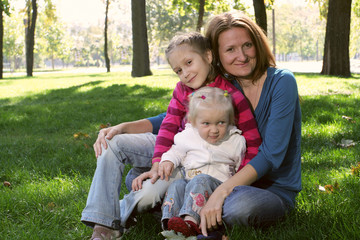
(212, 124)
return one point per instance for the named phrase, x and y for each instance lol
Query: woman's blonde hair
(199, 45)
(210, 98)
(226, 21)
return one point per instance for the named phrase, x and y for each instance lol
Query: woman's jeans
(246, 205)
(102, 206)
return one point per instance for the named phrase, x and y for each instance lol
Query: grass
(48, 124)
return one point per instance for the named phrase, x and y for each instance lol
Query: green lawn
(48, 124)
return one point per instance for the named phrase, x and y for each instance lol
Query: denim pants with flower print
(187, 197)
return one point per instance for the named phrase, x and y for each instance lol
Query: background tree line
(299, 31)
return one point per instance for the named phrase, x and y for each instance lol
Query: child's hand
(152, 174)
(165, 170)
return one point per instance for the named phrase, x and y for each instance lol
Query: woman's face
(237, 52)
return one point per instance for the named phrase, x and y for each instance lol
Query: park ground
(48, 124)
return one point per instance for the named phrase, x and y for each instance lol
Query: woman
(265, 189)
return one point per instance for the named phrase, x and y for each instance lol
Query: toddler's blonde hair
(210, 98)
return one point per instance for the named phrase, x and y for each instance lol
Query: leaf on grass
(86, 146)
(104, 126)
(346, 143)
(348, 118)
(79, 135)
(51, 205)
(171, 235)
(355, 170)
(329, 188)
(7, 184)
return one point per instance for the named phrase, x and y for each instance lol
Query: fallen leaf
(104, 126)
(51, 205)
(7, 184)
(321, 188)
(347, 118)
(80, 134)
(346, 143)
(329, 188)
(86, 146)
(355, 170)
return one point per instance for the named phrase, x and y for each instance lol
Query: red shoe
(186, 228)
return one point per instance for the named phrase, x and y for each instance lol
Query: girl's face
(212, 124)
(190, 66)
(237, 52)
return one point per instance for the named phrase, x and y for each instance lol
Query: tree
(107, 60)
(4, 8)
(260, 14)
(201, 7)
(140, 62)
(201, 15)
(30, 35)
(13, 44)
(50, 33)
(336, 60)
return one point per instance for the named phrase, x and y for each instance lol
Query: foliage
(50, 34)
(5, 6)
(354, 32)
(299, 36)
(13, 42)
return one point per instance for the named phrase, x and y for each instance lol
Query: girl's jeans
(187, 197)
(102, 206)
(246, 205)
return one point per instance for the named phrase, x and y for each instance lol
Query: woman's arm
(139, 126)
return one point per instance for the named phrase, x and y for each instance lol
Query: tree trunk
(140, 61)
(30, 37)
(260, 14)
(1, 42)
(201, 15)
(336, 60)
(107, 60)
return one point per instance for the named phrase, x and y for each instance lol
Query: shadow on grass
(40, 128)
(323, 129)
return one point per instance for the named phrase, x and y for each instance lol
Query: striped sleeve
(171, 124)
(245, 122)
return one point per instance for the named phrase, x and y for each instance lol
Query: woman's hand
(107, 133)
(152, 174)
(139, 126)
(211, 213)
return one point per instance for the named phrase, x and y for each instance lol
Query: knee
(239, 209)
(248, 208)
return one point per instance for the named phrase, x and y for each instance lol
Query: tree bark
(201, 15)
(30, 37)
(140, 61)
(260, 14)
(336, 60)
(106, 55)
(1, 41)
